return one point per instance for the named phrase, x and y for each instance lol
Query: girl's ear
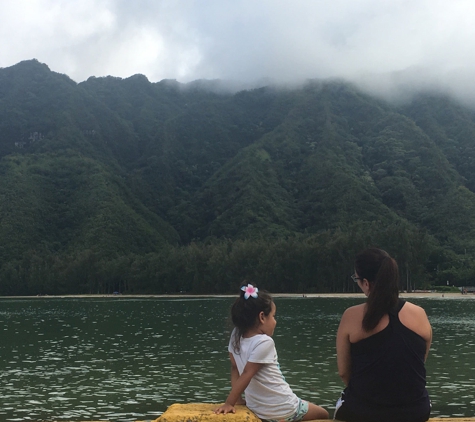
(261, 316)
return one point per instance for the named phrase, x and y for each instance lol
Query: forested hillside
(126, 185)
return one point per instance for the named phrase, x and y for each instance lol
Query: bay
(127, 359)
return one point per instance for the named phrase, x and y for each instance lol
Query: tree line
(320, 262)
(141, 187)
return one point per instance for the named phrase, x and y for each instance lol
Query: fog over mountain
(392, 48)
(122, 184)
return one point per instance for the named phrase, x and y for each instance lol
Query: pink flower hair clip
(249, 290)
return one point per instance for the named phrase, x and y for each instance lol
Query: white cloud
(244, 39)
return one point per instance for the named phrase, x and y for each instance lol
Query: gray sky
(379, 42)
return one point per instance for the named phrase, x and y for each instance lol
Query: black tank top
(388, 376)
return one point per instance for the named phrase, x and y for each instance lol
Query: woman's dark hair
(245, 313)
(382, 273)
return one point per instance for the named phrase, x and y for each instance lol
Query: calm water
(127, 359)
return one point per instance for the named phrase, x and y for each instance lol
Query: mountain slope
(124, 168)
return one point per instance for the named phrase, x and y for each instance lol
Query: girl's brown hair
(245, 313)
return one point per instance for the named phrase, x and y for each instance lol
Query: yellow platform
(203, 412)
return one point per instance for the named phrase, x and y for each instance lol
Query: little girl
(254, 366)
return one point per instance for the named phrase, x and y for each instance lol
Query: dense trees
(300, 263)
(139, 187)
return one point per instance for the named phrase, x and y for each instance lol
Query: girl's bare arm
(238, 385)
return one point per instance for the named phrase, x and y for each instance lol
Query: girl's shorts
(302, 409)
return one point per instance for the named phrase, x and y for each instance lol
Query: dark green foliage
(446, 289)
(126, 185)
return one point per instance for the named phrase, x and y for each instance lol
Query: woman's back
(411, 316)
(381, 348)
(388, 374)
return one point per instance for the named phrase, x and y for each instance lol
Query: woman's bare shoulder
(414, 317)
(414, 310)
(353, 312)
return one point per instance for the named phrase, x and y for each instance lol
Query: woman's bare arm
(343, 348)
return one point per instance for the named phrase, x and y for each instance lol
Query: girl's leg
(315, 412)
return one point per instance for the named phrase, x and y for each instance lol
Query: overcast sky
(426, 42)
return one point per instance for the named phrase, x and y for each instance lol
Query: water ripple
(129, 359)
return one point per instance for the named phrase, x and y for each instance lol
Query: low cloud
(420, 44)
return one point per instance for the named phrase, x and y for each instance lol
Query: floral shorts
(302, 409)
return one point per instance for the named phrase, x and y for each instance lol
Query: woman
(382, 346)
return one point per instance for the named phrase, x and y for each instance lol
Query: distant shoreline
(415, 295)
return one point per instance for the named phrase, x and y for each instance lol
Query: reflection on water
(108, 359)
(451, 368)
(127, 359)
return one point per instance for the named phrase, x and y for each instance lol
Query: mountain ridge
(126, 170)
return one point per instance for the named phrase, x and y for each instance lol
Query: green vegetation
(126, 185)
(446, 289)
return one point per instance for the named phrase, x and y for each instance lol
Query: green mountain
(124, 184)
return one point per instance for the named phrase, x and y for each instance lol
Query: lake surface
(124, 359)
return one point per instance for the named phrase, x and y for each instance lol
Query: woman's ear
(368, 284)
